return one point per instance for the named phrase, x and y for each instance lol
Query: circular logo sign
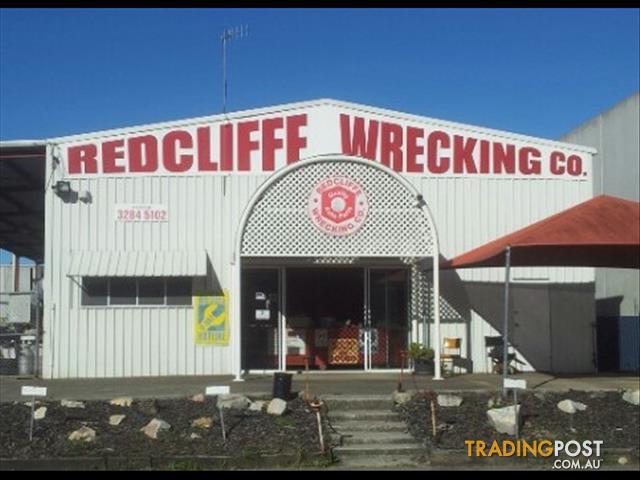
(338, 206)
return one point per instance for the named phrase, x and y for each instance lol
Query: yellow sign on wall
(211, 319)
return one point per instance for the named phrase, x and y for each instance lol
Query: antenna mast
(225, 37)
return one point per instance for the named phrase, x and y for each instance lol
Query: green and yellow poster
(211, 319)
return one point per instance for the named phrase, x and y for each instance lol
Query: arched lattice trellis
(397, 223)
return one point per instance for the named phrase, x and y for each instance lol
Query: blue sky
(539, 72)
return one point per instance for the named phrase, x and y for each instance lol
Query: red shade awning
(601, 232)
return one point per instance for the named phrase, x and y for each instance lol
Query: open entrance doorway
(331, 318)
(281, 229)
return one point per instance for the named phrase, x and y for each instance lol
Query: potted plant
(421, 357)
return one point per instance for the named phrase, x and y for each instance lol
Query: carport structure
(22, 186)
(601, 232)
(22, 219)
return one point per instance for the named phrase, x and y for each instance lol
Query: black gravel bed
(607, 418)
(249, 433)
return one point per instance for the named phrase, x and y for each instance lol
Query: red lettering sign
(266, 144)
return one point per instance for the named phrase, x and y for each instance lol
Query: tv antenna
(225, 37)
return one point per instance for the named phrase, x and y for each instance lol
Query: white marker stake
(33, 392)
(219, 390)
(515, 385)
(222, 390)
(224, 432)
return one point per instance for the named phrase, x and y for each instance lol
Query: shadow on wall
(550, 325)
(209, 285)
(608, 333)
(456, 309)
(609, 307)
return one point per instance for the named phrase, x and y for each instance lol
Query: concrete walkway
(320, 383)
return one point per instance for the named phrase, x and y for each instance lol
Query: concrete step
(380, 462)
(358, 402)
(362, 415)
(360, 437)
(380, 449)
(390, 425)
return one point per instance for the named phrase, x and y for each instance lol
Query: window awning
(101, 263)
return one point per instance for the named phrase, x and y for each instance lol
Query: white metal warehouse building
(260, 239)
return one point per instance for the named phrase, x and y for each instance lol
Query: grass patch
(284, 422)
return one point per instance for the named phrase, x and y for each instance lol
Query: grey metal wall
(616, 169)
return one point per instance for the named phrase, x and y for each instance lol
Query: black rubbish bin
(282, 385)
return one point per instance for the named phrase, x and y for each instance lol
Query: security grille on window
(128, 291)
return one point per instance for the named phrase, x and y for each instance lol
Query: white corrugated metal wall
(135, 341)
(203, 215)
(204, 212)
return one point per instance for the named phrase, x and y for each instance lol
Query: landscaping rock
(199, 398)
(444, 427)
(632, 397)
(609, 418)
(148, 407)
(194, 436)
(234, 401)
(202, 422)
(445, 400)
(400, 398)
(40, 413)
(122, 401)
(257, 406)
(571, 407)
(277, 406)
(154, 427)
(247, 432)
(83, 434)
(504, 419)
(71, 404)
(495, 402)
(116, 419)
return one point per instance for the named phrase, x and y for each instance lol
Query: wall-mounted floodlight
(62, 188)
(85, 196)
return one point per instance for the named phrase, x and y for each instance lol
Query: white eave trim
(22, 143)
(233, 116)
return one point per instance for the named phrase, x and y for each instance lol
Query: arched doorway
(330, 231)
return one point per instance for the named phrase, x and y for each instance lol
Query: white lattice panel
(279, 225)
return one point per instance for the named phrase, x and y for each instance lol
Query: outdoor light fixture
(62, 188)
(85, 196)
